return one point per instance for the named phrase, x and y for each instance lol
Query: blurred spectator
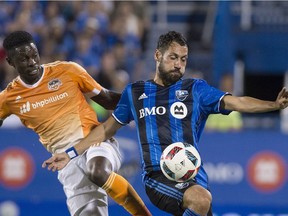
(84, 55)
(110, 76)
(29, 17)
(95, 10)
(84, 31)
(59, 42)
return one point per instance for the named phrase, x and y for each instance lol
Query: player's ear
(9, 61)
(157, 55)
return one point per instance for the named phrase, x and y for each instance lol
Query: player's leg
(80, 191)
(168, 195)
(197, 199)
(103, 161)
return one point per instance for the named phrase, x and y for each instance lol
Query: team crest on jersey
(181, 94)
(54, 84)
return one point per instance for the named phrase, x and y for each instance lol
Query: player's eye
(183, 59)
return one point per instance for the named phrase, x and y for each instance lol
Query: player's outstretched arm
(99, 134)
(254, 105)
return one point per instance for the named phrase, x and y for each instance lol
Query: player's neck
(158, 81)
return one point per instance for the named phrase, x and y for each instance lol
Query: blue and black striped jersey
(165, 115)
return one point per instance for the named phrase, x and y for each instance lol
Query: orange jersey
(55, 107)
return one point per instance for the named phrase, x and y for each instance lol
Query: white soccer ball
(180, 162)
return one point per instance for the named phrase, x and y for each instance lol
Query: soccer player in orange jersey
(50, 100)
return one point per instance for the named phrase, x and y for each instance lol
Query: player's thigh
(166, 194)
(108, 149)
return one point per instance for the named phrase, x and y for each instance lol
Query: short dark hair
(172, 36)
(17, 38)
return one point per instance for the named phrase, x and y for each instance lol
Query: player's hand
(282, 98)
(56, 162)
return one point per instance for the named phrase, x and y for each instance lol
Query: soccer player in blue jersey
(170, 109)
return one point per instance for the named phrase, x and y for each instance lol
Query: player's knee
(99, 169)
(198, 199)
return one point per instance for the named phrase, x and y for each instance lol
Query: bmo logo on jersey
(178, 110)
(153, 111)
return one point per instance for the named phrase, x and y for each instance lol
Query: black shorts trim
(167, 195)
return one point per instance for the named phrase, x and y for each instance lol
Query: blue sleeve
(209, 98)
(123, 113)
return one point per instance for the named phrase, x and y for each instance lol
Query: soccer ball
(180, 162)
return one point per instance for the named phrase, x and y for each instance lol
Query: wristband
(71, 152)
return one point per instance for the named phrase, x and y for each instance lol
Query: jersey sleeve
(123, 113)
(4, 110)
(87, 84)
(210, 98)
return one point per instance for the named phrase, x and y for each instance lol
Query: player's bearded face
(169, 76)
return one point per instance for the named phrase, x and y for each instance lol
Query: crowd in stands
(107, 38)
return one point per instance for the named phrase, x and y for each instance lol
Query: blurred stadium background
(238, 46)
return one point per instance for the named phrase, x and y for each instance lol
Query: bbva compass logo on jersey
(178, 110)
(54, 84)
(181, 94)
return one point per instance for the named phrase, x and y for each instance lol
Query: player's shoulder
(12, 85)
(64, 67)
(63, 64)
(139, 82)
(196, 81)
(136, 84)
(10, 89)
(188, 82)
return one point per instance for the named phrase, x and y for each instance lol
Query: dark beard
(169, 77)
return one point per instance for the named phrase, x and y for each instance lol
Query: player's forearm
(253, 105)
(97, 135)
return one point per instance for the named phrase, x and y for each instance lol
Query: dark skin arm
(107, 99)
(1, 122)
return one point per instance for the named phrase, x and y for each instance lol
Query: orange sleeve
(86, 83)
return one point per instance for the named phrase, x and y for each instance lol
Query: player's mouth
(33, 71)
